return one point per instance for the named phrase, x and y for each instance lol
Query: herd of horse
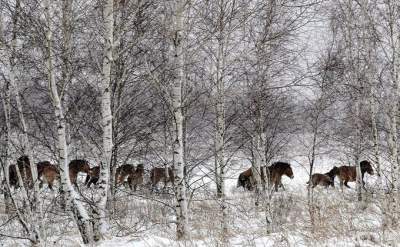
(278, 169)
(49, 173)
(133, 175)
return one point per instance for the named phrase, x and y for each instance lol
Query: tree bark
(79, 212)
(101, 225)
(179, 165)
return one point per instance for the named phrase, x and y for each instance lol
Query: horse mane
(333, 172)
(79, 161)
(280, 165)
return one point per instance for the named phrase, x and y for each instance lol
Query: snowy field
(144, 219)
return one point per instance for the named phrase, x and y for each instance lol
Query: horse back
(347, 173)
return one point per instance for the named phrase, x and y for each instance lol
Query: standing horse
(135, 179)
(158, 173)
(123, 172)
(76, 166)
(26, 175)
(276, 171)
(349, 173)
(93, 176)
(48, 173)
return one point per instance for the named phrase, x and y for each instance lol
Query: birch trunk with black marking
(357, 150)
(72, 198)
(220, 115)
(178, 149)
(6, 98)
(101, 222)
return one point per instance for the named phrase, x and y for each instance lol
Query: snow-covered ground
(144, 219)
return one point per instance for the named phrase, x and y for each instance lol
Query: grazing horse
(76, 166)
(123, 172)
(349, 173)
(93, 176)
(135, 179)
(276, 171)
(244, 179)
(158, 173)
(326, 180)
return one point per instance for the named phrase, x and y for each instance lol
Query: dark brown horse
(26, 175)
(349, 173)
(123, 172)
(276, 171)
(244, 179)
(93, 176)
(158, 173)
(76, 166)
(135, 179)
(326, 180)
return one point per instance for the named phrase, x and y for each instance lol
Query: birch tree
(79, 212)
(178, 14)
(101, 225)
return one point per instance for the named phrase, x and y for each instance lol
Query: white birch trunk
(220, 118)
(7, 111)
(101, 225)
(179, 165)
(79, 212)
(359, 184)
(395, 65)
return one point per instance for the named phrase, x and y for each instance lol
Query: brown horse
(123, 172)
(93, 176)
(48, 173)
(158, 173)
(26, 175)
(76, 166)
(135, 179)
(326, 180)
(244, 179)
(320, 179)
(349, 173)
(276, 171)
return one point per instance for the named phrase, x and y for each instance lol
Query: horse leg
(362, 180)
(345, 183)
(341, 185)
